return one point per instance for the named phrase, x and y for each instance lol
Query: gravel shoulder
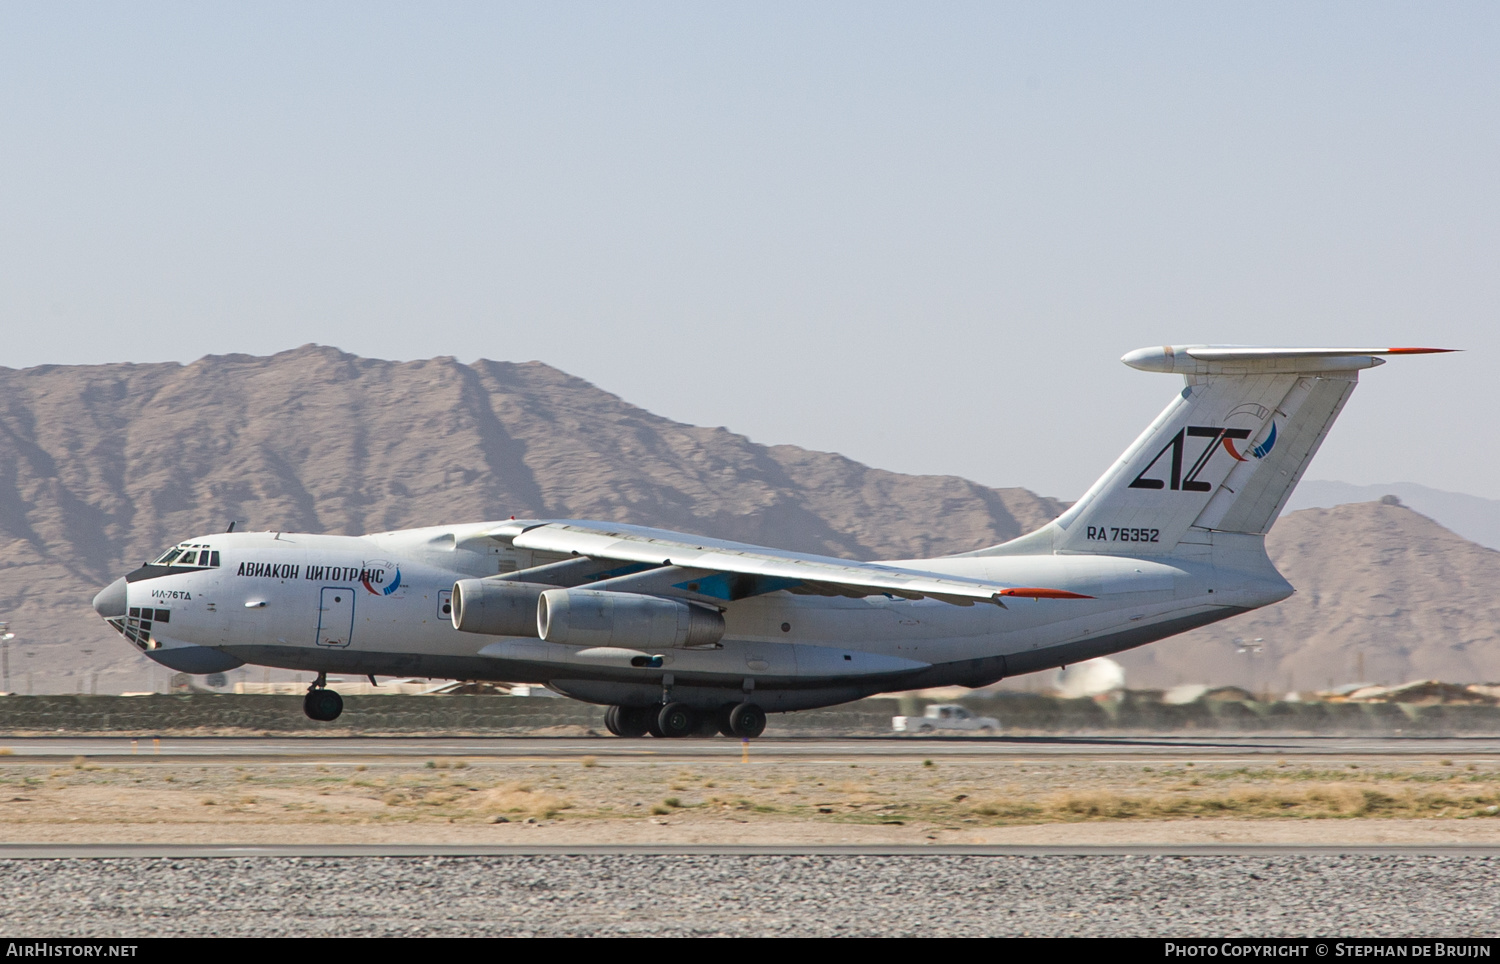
(753, 896)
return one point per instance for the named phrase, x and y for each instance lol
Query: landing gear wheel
(630, 721)
(677, 719)
(747, 720)
(653, 721)
(721, 719)
(322, 705)
(612, 720)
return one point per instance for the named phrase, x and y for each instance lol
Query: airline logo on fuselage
(372, 576)
(372, 580)
(268, 570)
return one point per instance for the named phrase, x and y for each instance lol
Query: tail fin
(1223, 456)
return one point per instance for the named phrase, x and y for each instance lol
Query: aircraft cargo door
(336, 616)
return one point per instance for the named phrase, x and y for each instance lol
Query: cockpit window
(189, 556)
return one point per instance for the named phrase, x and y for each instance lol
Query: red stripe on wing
(1035, 592)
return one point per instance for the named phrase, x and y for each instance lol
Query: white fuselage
(380, 604)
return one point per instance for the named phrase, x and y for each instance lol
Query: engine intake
(594, 617)
(496, 607)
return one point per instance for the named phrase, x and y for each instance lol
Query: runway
(999, 749)
(157, 851)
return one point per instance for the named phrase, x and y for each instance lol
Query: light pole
(1252, 649)
(28, 653)
(5, 637)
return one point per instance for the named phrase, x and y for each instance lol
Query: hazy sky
(918, 234)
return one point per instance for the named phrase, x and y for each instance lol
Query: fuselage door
(336, 616)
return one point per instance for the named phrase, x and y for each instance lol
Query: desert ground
(605, 800)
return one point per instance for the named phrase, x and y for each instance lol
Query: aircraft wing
(795, 571)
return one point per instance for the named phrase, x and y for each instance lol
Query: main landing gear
(321, 703)
(744, 720)
(629, 720)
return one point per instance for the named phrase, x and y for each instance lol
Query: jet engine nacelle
(496, 607)
(594, 617)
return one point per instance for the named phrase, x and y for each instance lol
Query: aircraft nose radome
(110, 603)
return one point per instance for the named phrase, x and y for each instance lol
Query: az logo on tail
(1216, 435)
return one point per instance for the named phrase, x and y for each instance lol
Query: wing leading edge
(825, 575)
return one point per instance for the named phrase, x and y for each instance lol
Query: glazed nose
(110, 603)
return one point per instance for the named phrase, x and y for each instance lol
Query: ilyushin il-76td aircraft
(678, 634)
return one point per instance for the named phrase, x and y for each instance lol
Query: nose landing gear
(321, 703)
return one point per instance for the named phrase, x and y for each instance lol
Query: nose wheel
(321, 703)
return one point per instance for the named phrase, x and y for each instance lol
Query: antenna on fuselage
(231, 526)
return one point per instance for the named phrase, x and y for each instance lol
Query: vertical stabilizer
(1223, 456)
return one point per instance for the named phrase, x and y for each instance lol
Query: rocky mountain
(103, 466)
(1476, 519)
(1383, 594)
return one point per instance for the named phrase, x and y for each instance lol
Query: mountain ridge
(102, 466)
(1384, 594)
(1471, 516)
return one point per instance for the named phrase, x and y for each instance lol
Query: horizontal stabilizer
(1241, 359)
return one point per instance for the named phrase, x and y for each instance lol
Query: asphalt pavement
(323, 749)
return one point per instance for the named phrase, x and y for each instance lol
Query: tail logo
(1260, 451)
(1180, 480)
(1264, 448)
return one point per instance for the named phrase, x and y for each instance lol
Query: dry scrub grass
(519, 799)
(510, 800)
(906, 792)
(1324, 800)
